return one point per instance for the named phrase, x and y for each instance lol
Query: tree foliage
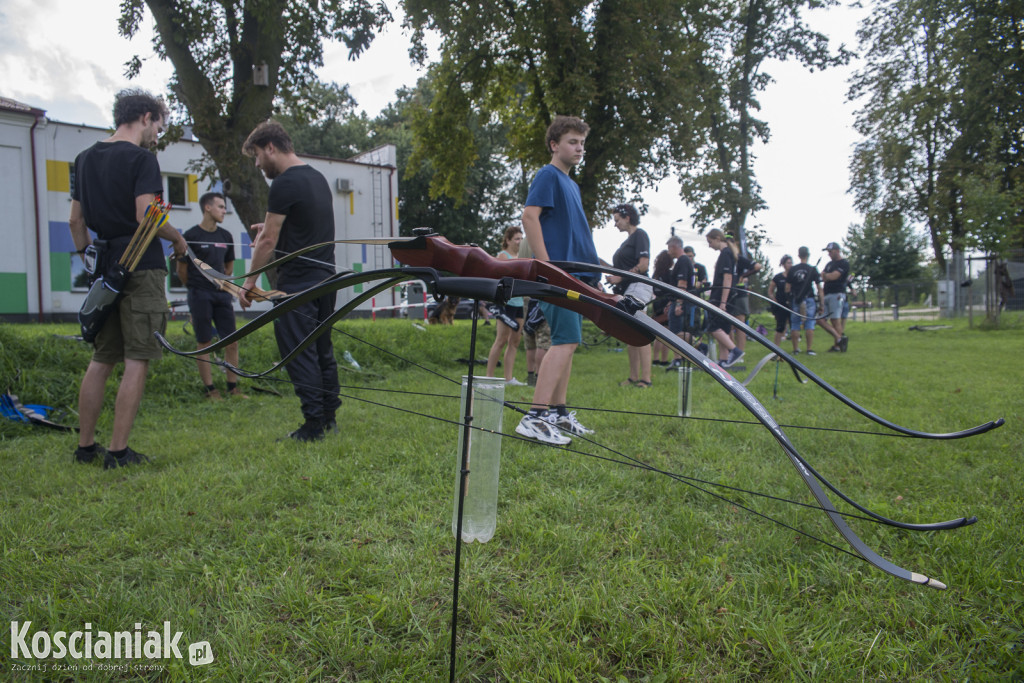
(885, 253)
(215, 46)
(738, 40)
(492, 196)
(943, 99)
(664, 84)
(626, 68)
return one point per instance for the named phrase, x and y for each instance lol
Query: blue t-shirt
(567, 235)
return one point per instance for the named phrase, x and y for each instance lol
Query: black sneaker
(835, 348)
(331, 426)
(130, 457)
(88, 456)
(309, 431)
(674, 365)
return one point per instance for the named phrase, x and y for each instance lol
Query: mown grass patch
(334, 560)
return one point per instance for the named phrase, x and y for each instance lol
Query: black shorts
(781, 317)
(717, 321)
(211, 309)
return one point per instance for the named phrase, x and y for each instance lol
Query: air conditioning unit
(344, 185)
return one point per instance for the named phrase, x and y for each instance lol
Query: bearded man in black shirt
(115, 182)
(300, 213)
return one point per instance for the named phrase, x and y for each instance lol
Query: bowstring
(628, 461)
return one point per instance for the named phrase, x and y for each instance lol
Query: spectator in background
(739, 301)
(681, 312)
(803, 283)
(835, 276)
(633, 255)
(777, 291)
(659, 313)
(700, 271)
(725, 271)
(510, 317)
(536, 339)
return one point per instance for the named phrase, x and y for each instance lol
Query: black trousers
(314, 372)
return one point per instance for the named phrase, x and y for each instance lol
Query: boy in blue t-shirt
(556, 229)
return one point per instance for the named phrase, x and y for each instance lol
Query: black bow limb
(743, 395)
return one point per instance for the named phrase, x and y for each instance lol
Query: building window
(177, 190)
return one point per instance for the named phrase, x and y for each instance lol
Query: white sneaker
(542, 430)
(569, 423)
(515, 383)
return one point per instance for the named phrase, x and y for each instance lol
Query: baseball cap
(831, 245)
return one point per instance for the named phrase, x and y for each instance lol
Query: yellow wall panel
(58, 176)
(193, 189)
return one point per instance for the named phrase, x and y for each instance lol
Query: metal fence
(979, 288)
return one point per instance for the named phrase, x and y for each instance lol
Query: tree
(944, 96)
(335, 130)
(718, 180)
(625, 67)
(885, 254)
(664, 84)
(216, 47)
(492, 193)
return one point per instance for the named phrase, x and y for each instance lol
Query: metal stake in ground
(464, 471)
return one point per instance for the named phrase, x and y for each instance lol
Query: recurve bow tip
(925, 581)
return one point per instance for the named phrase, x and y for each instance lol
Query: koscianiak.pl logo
(85, 645)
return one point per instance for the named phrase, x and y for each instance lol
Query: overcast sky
(66, 57)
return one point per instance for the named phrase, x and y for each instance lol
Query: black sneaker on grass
(130, 457)
(87, 456)
(309, 431)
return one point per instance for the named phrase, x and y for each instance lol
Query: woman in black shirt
(725, 273)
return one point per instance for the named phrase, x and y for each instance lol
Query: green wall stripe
(13, 293)
(60, 272)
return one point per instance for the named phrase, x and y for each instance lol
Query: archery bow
(543, 280)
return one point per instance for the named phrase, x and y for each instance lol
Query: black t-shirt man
(212, 248)
(302, 195)
(108, 178)
(801, 281)
(681, 274)
(837, 286)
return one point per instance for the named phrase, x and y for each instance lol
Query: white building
(41, 278)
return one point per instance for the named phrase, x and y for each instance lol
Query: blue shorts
(686, 321)
(566, 326)
(797, 322)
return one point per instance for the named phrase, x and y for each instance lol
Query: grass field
(334, 560)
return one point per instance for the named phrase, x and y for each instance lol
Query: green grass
(334, 561)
